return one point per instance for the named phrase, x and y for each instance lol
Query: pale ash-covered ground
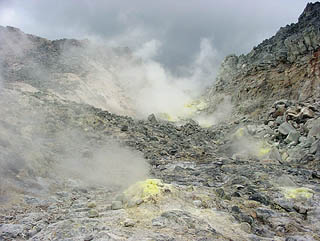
(70, 170)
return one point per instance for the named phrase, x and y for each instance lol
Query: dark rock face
(286, 66)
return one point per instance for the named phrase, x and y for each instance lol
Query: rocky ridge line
(285, 66)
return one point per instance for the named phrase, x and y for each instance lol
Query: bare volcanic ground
(71, 170)
(69, 167)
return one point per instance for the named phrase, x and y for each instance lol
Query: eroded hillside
(286, 66)
(77, 164)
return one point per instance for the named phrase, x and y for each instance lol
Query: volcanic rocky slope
(76, 70)
(286, 66)
(247, 178)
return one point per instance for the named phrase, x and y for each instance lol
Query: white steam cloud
(149, 50)
(38, 150)
(221, 113)
(117, 79)
(133, 83)
(120, 80)
(109, 164)
(155, 89)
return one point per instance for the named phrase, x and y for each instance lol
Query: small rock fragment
(314, 147)
(129, 223)
(285, 128)
(158, 222)
(314, 128)
(124, 128)
(92, 205)
(89, 238)
(197, 203)
(152, 118)
(293, 137)
(116, 205)
(259, 198)
(93, 213)
(245, 227)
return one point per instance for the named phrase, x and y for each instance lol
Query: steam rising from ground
(144, 86)
(35, 144)
(120, 80)
(38, 150)
(161, 91)
(245, 144)
(221, 113)
(107, 164)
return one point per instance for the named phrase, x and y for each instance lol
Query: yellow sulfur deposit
(296, 193)
(150, 187)
(205, 124)
(168, 117)
(144, 190)
(191, 108)
(196, 105)
(239, 133)
(187, 111)
(263, 150)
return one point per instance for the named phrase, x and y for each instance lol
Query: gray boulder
(285, 128)
(314, 128)
(152, 118)
(116, 205)
(293, 137)
(11, 230)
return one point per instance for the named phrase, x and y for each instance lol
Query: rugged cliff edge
(286, 66)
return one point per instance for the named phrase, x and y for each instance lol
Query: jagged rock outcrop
(286, 66)
(76, 70)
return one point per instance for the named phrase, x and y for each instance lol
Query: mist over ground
(39, 150)
(174, 52)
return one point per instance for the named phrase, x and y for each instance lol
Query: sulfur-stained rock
(298, 193)
(144, 191)
(275, 154)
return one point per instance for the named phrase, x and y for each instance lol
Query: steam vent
(99, 142)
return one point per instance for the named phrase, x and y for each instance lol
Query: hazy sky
(231, 26)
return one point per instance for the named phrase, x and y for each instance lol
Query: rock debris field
(71, 170)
